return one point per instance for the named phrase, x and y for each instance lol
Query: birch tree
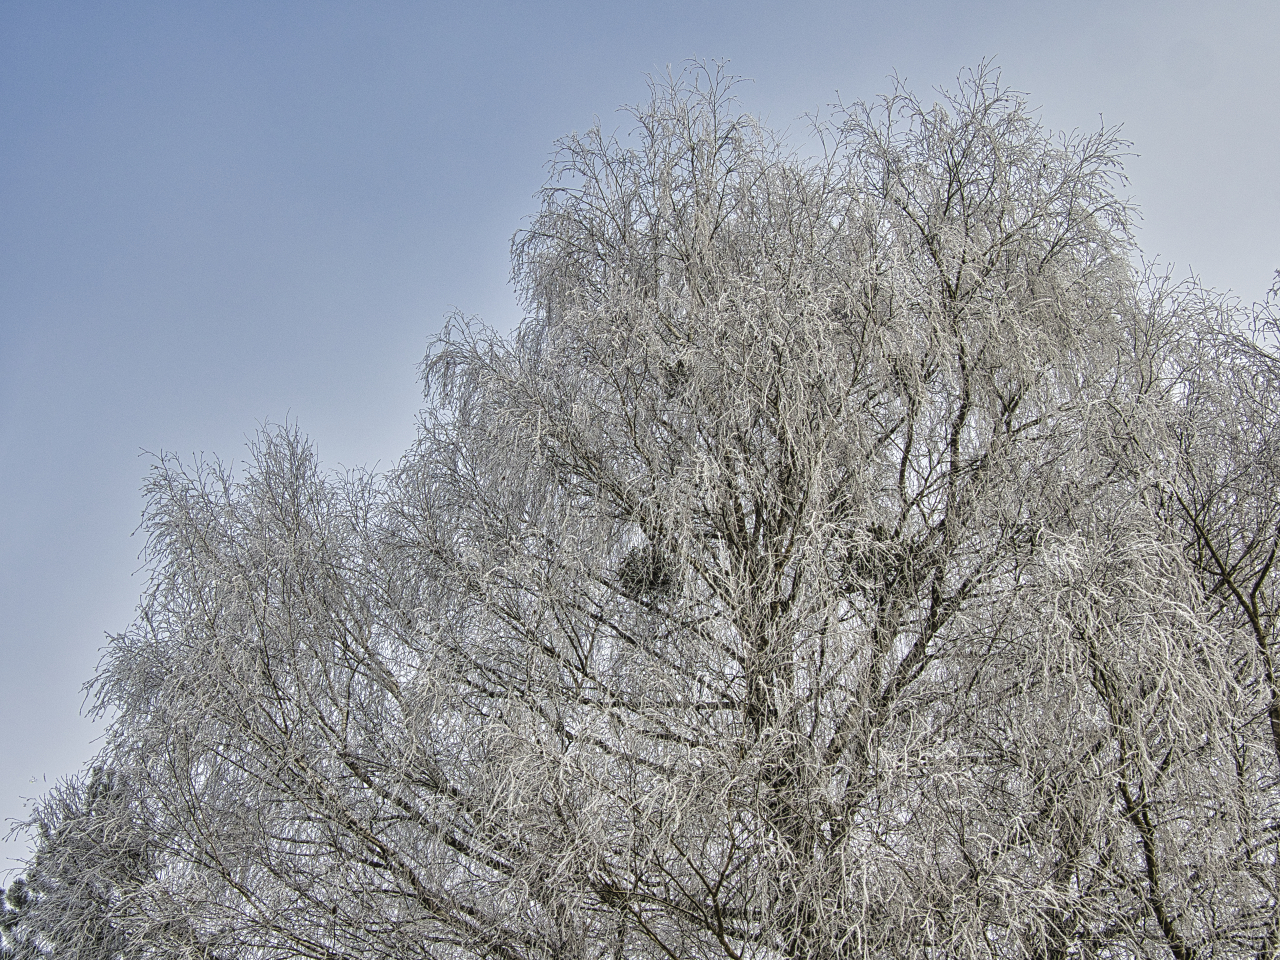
(825, 568)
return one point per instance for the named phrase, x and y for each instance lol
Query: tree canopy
(854, 554)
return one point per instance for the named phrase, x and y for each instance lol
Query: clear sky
(218, 213)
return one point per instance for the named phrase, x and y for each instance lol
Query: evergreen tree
(92, 854)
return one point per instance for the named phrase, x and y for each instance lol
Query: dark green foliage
(92, 853)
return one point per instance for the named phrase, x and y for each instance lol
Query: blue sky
(216, 214)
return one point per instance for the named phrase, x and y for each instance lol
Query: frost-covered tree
(92, 855)
(850, 556)
(1226, 504)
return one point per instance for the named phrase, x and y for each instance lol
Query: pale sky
(214, 214)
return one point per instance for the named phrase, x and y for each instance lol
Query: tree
(819, 571)
(92, 855)
(1226, 504)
